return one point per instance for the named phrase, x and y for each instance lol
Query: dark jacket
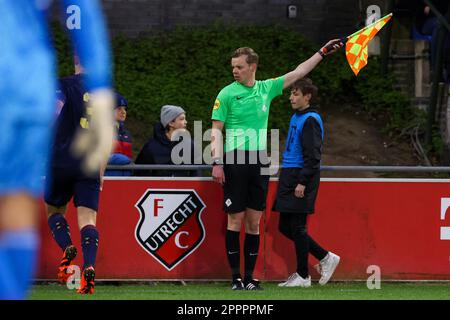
(309, 175)
(417, 8)
(123, 141)
(158, 151)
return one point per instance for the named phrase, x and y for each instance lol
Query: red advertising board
(175, 229)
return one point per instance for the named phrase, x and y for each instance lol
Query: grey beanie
(170, 113)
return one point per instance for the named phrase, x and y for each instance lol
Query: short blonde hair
(252, 56)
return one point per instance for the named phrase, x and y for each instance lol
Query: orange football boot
(69, 254)
(87, 281)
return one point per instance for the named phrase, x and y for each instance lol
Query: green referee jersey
(245, 113)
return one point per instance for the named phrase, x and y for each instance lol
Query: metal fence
(398, 169)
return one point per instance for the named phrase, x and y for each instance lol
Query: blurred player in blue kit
(28, 98)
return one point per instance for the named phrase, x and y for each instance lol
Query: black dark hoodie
(158, 150)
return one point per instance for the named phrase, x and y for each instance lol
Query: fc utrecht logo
(170, 227)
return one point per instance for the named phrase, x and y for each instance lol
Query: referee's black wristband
(217, 162)
(321, 53)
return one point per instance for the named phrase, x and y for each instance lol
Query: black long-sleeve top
(311, 140)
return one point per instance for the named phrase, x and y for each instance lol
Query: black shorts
(245, 186)
(63, 184)
(286, 200)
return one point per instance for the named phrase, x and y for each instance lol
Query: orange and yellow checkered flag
(356, 47)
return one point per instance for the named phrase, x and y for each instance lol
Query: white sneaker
(327, 266)
(295, 280)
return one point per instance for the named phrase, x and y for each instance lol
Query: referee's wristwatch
(216, 162)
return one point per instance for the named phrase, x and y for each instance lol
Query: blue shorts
(65, 184)
(27, 110)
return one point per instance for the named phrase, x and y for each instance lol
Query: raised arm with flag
(356, 44)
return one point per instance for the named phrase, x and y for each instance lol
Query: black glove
(330, 47)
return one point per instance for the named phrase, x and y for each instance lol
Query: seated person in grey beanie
(158, 150)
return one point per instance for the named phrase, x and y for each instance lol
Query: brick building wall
(318, 20)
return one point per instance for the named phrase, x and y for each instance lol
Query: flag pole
(369, 26)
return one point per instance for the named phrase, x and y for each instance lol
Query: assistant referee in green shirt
(242, 108)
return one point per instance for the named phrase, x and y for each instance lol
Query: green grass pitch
(222, 291)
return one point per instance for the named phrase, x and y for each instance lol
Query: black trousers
(293, 226)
